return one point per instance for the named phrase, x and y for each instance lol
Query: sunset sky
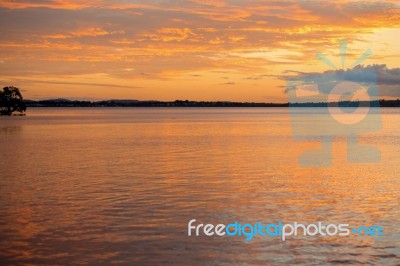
(196, 49)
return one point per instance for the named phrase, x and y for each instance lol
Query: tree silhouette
(11, 101)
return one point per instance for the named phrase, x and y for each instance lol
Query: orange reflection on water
(120, 185)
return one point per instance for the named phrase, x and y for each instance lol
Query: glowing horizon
(196, 50)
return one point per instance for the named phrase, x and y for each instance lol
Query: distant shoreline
(187, 103)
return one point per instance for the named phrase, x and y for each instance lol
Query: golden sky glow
(196, 49)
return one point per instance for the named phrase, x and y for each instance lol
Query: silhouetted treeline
(380, 103)
(187, 103)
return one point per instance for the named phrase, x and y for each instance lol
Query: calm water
(115, 185)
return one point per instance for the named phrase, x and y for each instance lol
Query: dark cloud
(360, 74)
(258, 77)
(146, 40)
(91, 84)
(387, 79)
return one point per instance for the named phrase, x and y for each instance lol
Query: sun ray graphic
(343, 50)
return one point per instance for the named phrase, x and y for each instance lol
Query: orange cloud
(167, 40)
(54, 4)
(213, 3)
(88, 32)
(171, 34)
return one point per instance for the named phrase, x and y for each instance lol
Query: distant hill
(187, 103)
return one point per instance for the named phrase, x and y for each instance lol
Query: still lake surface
(119, 185)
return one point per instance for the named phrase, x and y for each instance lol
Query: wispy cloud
(169, 38)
